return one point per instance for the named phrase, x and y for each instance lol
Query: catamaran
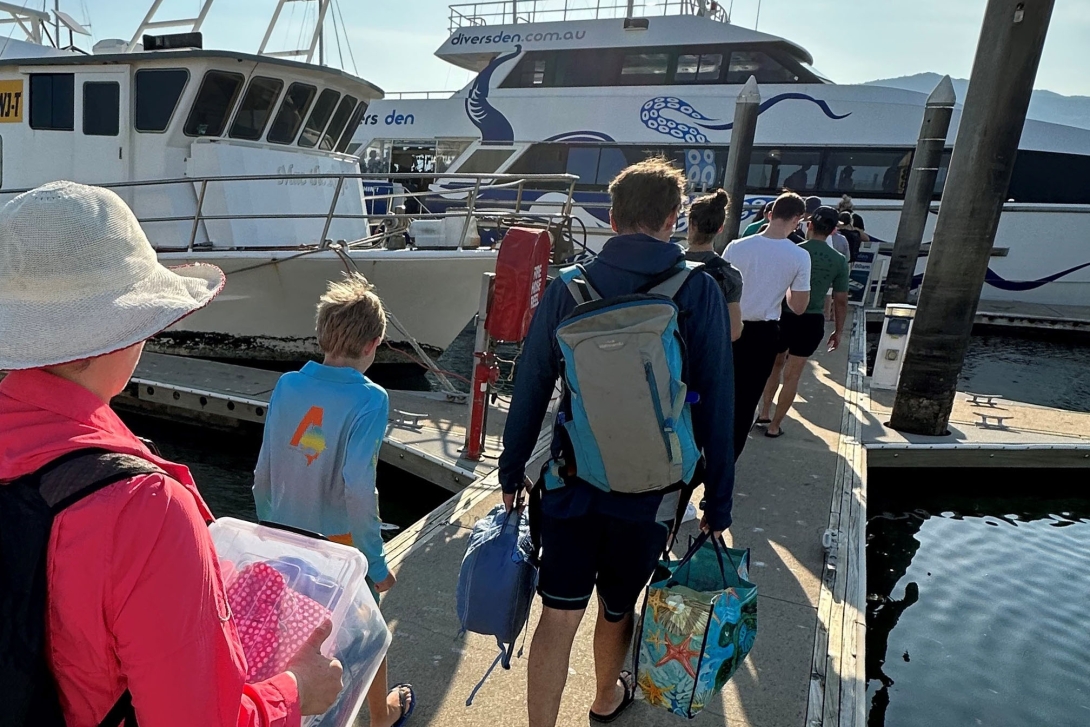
(234, 159)
(590, 86)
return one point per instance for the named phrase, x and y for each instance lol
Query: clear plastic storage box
(281, 586)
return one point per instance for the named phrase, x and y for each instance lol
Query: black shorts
(595, 551)
(801, 335)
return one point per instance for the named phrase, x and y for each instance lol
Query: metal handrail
(513, 12)
(481, 182)
(417, 95)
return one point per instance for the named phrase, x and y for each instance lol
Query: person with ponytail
(706, 217)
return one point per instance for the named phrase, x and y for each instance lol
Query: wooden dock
(425, 435)
(1021, 316)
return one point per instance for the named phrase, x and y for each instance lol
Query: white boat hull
(266, 311)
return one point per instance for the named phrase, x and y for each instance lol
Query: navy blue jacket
(626, 263)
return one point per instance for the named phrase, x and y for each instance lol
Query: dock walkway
(789, 490)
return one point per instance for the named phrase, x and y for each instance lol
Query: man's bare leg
(792, 372)
(550, 652)
(611, 640)
(770, 387)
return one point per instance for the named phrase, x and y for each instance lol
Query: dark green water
(978, 603)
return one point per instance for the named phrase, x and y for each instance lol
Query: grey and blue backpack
(628, 423)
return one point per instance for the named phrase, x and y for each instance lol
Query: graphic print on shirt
(309, 438)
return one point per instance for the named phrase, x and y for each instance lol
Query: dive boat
(589, 86)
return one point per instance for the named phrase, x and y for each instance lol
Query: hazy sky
(851, 40)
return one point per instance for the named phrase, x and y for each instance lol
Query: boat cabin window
(856, 171)
(595, 165)
(101, 108)
(767, 69)
(157, 92)
(658, 66)
(256, 108)
(336, 126)
(319, 117)
(484, 161)
(292, 112)
(52, 101)
(645, 69)
(794, 169)
(350, 129)
(1050, 178)
(698, 68)
(215, 99)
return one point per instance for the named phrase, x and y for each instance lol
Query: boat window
(376, 157)
(336, 126)
(596, 166)
(644, 69)
(256, 108)
(101, 108)
(350, 129)
(772, 170)
(533, 74)
(746, 63)
(541, 159)
(292, 112)
(854, 171)
(157, 93)
(407, 157)
(1050, 178)
(583, 68)
(698, 68)
(316, 124)
(215, 99)
(944, 169)
(52, 101)
(447, 150)
(703, 167)
(485, 161)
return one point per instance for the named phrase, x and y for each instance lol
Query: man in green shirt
(800, 335)
(760, 221)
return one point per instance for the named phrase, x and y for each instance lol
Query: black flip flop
(629, 684)
(402, 698)
(762, 422)
(770, 435)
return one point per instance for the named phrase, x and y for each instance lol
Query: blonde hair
(350, 316)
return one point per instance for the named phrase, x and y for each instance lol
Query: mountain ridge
(1044, 105)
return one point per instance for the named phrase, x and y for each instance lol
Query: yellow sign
(11, 102)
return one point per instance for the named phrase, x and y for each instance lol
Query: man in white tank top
(772, 267)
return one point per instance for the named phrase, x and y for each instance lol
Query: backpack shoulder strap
(76, 475)
(575, 277)
(670, 287)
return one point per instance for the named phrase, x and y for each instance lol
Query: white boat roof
(61, 58)
(21, 49)
(472, 47)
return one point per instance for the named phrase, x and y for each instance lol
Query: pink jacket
(136, 599)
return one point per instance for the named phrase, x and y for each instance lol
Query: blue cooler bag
(497, 582)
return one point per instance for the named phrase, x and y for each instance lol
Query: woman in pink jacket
(135, 597)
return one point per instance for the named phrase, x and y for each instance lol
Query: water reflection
(976, 596)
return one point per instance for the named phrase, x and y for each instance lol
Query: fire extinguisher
(509, 298)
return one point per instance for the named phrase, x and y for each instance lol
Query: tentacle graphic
(494, 126)
(651, 115)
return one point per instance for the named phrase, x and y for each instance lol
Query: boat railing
(551, 212)
(510, 12)
(416, 95)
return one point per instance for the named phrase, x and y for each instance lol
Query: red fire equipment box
(522, 268)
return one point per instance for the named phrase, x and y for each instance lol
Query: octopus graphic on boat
(652, 116)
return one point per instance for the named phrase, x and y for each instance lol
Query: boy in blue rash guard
(324, 428)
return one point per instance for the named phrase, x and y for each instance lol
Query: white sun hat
(79, 279)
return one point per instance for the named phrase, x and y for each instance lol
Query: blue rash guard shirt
(625, 264)
(316, 469)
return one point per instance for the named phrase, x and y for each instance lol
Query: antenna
(758, 20)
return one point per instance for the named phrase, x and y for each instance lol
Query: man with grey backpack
(640, 340)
